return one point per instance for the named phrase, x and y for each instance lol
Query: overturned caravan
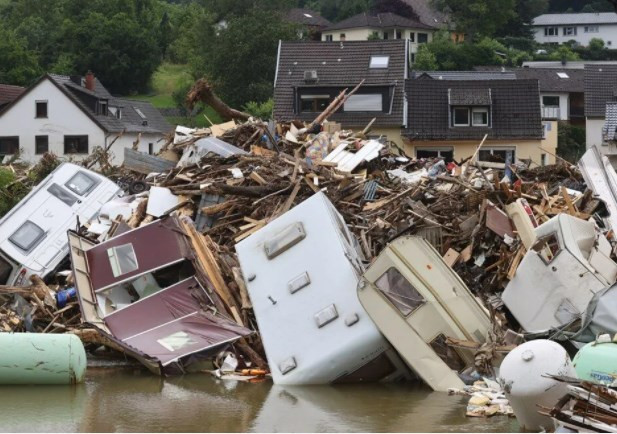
(145, 290)
(417, 301)
(301, 272)
(568, 264)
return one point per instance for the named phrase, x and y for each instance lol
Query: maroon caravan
(145, 290)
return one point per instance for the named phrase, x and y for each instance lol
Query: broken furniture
(417, 301)
(301, 272)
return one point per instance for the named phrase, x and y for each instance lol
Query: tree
(121, 52)
(17, 65)
(425, 60)
(564, 54)
(477, 18)
(240, 61)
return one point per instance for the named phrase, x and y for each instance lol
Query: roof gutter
(278, 58)
(406, 76)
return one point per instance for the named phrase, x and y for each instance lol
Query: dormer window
(479, 116)
(379, 62)
(470, 116)
(460, 116)
(103, 107)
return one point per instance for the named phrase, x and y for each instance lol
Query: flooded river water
(132, 400)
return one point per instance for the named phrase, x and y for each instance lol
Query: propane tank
(522, 376)
(37, 358)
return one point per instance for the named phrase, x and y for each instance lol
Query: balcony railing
(551, 112)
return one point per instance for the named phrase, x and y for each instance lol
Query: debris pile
(587, 407)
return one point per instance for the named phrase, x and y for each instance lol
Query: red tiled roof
(9, 92)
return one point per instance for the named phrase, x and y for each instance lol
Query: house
(363, 26)
(562, 92)
(600, 93)
(311, 74)
(579, 27)
(71, 116)
(8, 93)
(449, 118)
(311, 22)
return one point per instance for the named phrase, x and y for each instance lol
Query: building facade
(449, 119)
(71, 116)
(579, 27)
(311, 74)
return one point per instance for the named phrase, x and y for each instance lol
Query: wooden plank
(451, 257)
(210, 265)
(257, 178)
(144, 163)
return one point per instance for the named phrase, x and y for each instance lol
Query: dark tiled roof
(133, 122)
(515, 109)
(600, 88)
(379, 21)
(427, 14)
(340, 64)
(130, 120)
(550, 80)
(466, 75)
(8, 93)
(307, 17)
(472, 96)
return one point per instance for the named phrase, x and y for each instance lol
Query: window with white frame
(314, 103)
(479, 116)
(551, 31)
(379, 62)
(569, 31)
(364, 102)
(592, 29)
(460, 116)
(497, 154)
(445, 152)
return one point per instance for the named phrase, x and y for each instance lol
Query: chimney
(89, 80)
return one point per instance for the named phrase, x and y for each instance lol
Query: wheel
(138, 187)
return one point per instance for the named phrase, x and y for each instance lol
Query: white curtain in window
(372, 102)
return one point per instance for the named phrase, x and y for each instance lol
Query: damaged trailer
(417, 301)
(33, 234)
(566, 266)
(145, 290)
(301, 271)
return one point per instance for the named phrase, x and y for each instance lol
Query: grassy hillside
(167, 79)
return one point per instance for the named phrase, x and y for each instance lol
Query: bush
(571, 142)
(260, 110)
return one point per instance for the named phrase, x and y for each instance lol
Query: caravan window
(547, 247)
(122, 259)
(81, 183)
(27, 236)
(399, 291)
(62, 194)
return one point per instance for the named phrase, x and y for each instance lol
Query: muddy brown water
(121, 400)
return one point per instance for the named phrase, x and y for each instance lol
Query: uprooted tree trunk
(202, 92)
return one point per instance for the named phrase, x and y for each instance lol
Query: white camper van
(33, 234)
(301, 272)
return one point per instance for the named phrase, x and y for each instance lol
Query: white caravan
(33, 234)
(301, 271)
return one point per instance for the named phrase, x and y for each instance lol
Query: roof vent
(310, 76)
(144, 123)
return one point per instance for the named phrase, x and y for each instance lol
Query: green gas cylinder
(597, 362)
(37, 358)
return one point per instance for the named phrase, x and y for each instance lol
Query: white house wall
(63, 118)
(564, 104)
(593, 133)
(362, 34)
(606, 32)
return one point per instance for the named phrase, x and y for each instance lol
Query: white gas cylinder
(523, 377)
